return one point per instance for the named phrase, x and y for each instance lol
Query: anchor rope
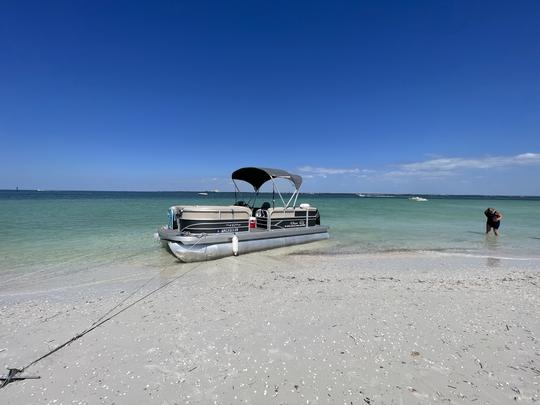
(100, 321)
(126, 298)
(200, 238)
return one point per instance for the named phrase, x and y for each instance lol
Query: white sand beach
(282, 327)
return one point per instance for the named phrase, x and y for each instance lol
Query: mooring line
(13, 372)
(128, 297)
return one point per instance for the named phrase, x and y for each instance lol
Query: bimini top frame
(257, 176)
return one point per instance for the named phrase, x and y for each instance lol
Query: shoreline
(287, 328)
(108, 274)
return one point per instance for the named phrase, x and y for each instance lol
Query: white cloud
(448, 166)
(436, 169)
(324, 171)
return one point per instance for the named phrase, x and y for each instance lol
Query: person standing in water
(493, 220)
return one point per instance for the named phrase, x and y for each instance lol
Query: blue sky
(385, 96)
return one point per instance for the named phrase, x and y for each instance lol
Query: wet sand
(281, 327)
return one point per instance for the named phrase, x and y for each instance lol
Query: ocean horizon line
(350, 193)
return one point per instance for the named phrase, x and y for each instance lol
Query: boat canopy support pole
(296, 197)
(293, 199)
(236, 191)
(286, 205)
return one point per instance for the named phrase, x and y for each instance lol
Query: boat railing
(209, 212)
(212, 227)
(220, 219)
(285, 217)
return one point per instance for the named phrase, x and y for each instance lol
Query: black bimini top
(257, 176)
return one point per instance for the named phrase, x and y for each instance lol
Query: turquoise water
(81, 231)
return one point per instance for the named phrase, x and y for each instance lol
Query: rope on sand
(14, 374)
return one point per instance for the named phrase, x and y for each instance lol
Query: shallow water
(58, 232)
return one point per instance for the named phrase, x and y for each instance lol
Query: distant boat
(360, 195)
(202, 193)
(419, 199)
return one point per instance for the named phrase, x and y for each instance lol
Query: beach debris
(534, 370)
(479, 362)
(415, 353)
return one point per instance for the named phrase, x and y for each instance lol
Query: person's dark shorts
(494, 225)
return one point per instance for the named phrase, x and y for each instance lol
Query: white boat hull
(202, 251)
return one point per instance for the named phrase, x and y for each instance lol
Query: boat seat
(290, 212)
(208, 212)
(263, 211)
(281, 212)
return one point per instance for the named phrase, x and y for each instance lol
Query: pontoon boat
(197, 232)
